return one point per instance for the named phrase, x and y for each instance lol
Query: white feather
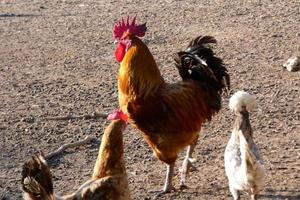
(242, 98)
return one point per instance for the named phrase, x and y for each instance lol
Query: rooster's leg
(187, 163)
(168, 187)
(168, 183)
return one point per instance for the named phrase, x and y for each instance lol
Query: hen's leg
(234, 193)
(253, 194)
(187, 163)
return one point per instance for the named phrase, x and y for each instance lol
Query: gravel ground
(56, 58)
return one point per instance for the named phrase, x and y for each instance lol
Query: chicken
(109, 179)
(243, 164)
(169, 115)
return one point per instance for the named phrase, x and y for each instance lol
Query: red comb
(132, 28)
(118, 114)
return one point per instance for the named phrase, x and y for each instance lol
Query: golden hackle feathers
(139, 75)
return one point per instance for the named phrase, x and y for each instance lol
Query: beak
(116, 41)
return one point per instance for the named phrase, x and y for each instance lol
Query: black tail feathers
(199, 63)
(37, 179)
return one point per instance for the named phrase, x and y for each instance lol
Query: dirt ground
(56, 58)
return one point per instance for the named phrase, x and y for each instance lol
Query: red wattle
(120, 52)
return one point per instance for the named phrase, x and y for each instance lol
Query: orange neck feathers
(139, 75)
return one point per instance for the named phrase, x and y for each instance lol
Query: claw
(159, 193)
(168, 187)
(183, 187)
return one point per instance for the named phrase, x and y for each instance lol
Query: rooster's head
(123, 32)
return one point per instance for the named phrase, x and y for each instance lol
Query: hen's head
(123, 31)
(118, 115)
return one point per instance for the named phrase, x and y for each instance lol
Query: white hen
(243, 164)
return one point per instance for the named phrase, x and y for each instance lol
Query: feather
(198, 63)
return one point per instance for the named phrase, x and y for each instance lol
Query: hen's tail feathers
(37, 179)
(241, 102)
(199, 63)
(242, 99)
(251, 162)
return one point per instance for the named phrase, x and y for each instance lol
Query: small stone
(292, 64)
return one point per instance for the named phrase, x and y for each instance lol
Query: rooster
(109, 179)
(243, 164)
(169, 115)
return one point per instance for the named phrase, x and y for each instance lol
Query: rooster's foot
(183, 187)
(159, 193)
